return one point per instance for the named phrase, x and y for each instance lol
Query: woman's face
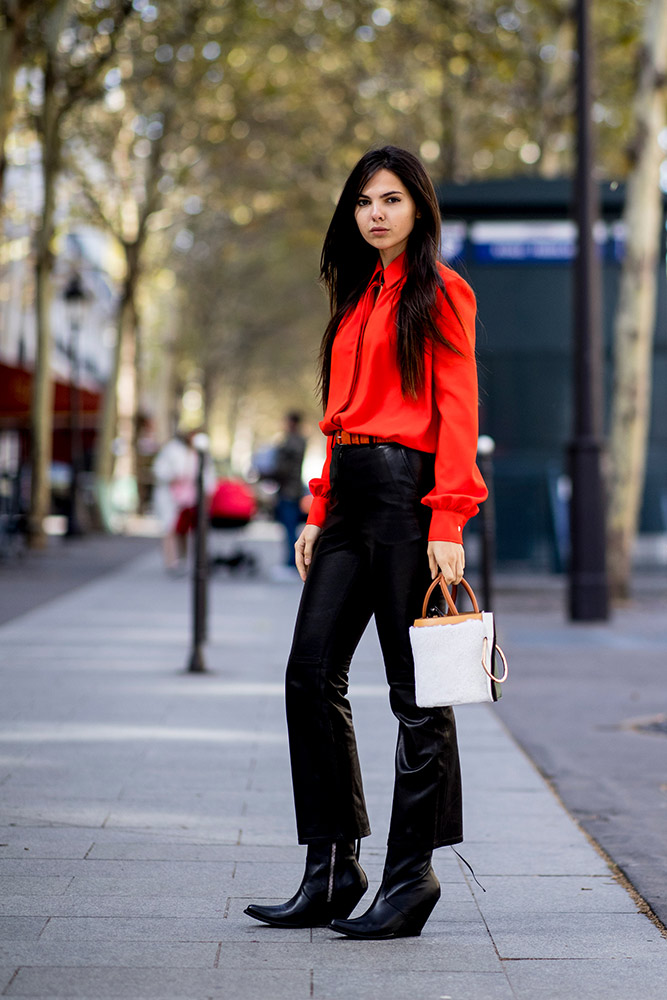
(386, 213)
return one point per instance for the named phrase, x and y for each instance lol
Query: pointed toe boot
(332, 885)
(403, 904)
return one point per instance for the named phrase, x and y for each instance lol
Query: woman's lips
(379, 229)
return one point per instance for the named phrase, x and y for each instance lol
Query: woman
(175, 496)
(399, 387)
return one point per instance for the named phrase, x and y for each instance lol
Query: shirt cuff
(446, 526)
(317, 514)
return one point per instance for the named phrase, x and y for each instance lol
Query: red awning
(16, 394)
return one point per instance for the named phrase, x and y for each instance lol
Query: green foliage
(233, 124)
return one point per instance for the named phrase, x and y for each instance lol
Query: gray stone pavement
(34, 577)
(142, 808)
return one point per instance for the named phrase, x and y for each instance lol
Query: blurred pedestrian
(175, 471)
(399, 387)
(287, 474)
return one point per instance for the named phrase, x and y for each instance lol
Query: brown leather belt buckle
(344, 437)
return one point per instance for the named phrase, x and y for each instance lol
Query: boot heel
(414, 924)
(398, 910)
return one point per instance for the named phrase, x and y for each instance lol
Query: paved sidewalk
(35, 577)
(142, 808)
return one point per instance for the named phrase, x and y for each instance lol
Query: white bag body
(449, 657)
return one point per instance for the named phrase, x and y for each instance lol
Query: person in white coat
(175, 495)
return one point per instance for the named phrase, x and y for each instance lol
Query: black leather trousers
(369, 560)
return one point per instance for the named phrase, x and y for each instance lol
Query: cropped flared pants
(370, 560)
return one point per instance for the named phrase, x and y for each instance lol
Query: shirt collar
(393, 273)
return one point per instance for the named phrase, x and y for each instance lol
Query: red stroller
(233, 506)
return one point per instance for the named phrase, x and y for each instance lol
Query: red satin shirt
(365, 396)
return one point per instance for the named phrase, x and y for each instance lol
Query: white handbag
(455, 654)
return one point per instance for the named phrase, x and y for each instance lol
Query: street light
(75, 304)
(485, 449)
(588, 598)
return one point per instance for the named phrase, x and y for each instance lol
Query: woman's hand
(447, 558)
(303, 548)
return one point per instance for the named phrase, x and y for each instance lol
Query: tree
(73, 45)
(127, 157)
(221, 147)
(635, 315)
(295, 95)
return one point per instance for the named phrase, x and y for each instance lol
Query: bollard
(485, 449)
(196, 664)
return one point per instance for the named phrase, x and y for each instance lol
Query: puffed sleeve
(321, 489)
(459, 487)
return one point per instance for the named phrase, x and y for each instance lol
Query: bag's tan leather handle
(450, 601)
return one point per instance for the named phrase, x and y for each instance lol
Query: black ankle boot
(404, 901)
(332, 885)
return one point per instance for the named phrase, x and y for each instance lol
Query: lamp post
(588, 598)
(75, 301)
(485, 449)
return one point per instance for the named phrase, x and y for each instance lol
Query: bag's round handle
(448, 598)
(498, 680)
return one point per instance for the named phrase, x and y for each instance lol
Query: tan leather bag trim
(448, 619)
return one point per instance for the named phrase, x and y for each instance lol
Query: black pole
(196, 664)
(485, 449)
(74, 300)
(588, 595)
(74, 529)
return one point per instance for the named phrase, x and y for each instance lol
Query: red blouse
(365, 396)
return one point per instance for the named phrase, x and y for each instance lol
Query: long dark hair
(348, 262)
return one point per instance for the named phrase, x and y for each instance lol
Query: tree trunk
(104, 454)
(42, 396)
(635, 315)
(126, 397)
(119, 407)
(166, 396)
(138, 415)
(119, 413)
